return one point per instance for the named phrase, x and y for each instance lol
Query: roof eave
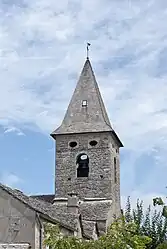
(117, 139)
(52, 220)
(54, 134)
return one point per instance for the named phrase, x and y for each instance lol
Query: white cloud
(14, 130)
(42, 48)
(10, 179)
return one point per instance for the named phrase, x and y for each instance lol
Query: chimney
(72, 204)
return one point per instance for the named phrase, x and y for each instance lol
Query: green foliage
(121, 235)
(136, 229)
(162, 246)
(52, 234)
(128, 216)
(158, 201)
(151, 224)
(164, 212)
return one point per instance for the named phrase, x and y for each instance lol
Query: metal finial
(88, 44)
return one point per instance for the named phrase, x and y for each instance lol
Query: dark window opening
(83, 165)
(93, 143)
(73, 144)
(115, 170)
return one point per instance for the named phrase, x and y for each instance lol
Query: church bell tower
(87, 147)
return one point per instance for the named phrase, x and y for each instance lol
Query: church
(87, 176)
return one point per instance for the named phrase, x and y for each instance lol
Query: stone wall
(103, 180)
(14, 246)
(17, 221)
(37, 235)
(100, 182)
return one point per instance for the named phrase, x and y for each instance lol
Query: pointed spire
(86, 111)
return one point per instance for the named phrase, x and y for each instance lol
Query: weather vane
(88, 44)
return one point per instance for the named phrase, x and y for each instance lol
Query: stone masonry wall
(17, 221)
(100, 182)
(14, 246)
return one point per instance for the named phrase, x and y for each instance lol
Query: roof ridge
(100, 99)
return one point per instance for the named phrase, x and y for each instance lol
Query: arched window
(115, 170)
(83, 165)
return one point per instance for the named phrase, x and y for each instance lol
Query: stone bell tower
(87, 147)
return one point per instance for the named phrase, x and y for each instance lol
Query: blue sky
(42, 51)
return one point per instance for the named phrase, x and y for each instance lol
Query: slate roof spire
(86, 111)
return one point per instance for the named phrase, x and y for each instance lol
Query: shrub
(162, 246)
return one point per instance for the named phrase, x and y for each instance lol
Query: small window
(73, 144)
(115, 170)
(83, 165)
(84, 103)
(93, 143)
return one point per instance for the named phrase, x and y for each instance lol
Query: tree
(120, 235)
(158, 201)
(151, 224)
(162, 246)
(123, 234)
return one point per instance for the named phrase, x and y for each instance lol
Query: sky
(42, 52)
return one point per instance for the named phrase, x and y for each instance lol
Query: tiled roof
(59, 214)
(90, 210)
(89, 229)
(47, 198)
(89, 118)
(92, 117)
(47, 210)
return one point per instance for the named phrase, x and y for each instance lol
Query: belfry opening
(82, 162)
